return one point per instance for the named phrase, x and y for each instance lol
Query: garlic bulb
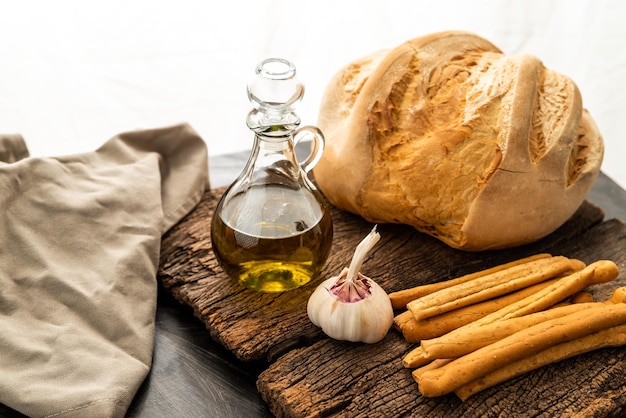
(351, 306)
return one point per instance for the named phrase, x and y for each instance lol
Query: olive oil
(283, 248)
(272, 230)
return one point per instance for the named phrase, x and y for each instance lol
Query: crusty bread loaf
(446, 133)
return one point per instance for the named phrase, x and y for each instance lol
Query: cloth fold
(80, 238)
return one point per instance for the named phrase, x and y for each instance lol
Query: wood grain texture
(310, 374)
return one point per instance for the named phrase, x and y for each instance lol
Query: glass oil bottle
(272, 229)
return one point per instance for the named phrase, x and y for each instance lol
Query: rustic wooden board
(309, 374)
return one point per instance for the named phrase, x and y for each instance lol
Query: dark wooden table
(194, 376)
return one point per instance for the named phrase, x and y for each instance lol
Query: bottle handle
(317, 145)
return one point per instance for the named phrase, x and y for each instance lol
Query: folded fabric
(79, 250)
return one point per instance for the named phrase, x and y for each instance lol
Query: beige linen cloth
(79, 251)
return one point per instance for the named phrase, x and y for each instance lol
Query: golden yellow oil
(276, 248)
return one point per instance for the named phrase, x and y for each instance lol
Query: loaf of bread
(446, 133)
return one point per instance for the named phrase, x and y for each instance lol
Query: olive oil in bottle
(282, 252)
(272, 230)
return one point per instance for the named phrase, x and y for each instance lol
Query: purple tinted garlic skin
(350, 291)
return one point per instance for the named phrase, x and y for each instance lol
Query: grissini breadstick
(492, 285)
(581, 297)
(400, 298)
(461, 344)
(401, 319)
(610, 337)
(414, 331)
(415, 358)
(440, 362)
(618, 296)
(601, 271)
(522, 344)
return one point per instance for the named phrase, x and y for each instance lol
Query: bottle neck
(272, 124)
(273, 160)
(274, 147)
(273, 135)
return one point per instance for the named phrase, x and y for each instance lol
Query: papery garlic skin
(367, 320)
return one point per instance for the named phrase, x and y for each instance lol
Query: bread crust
(448, 134)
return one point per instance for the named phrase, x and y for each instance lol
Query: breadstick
(460, 344)
(418, 357)
(599, 272)
(400, 298)
(619, 295)
(602, 271)
(581, 297)
(414, 331)
(415, 358)
(440, 362)
(400, 320)
(491, 286)
(522, 344)
(610, 337)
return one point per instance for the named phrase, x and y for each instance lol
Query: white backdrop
(73, 73)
